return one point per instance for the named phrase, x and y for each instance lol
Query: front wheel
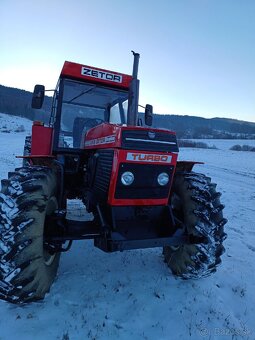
(27, 269)
(197, 206)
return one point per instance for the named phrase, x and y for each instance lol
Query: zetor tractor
(126, 175)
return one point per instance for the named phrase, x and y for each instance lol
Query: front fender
(186, 165)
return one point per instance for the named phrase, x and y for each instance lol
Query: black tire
(27, 150)
(27, 270)
(196, 204)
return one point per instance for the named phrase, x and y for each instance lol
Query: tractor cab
(86, 105)
(84, 98)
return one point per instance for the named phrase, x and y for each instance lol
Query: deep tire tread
(202, 213)
(24, 195)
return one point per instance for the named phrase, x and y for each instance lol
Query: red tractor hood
(116, 136)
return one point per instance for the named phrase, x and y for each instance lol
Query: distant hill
(18, 102)
(197, 127)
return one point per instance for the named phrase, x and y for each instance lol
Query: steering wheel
(81, 127)
(91, 122)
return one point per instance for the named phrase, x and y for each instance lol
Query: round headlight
(127, 178)
(163, 178)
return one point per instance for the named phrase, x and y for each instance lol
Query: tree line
(18, 102)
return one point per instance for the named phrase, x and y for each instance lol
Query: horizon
(196, 56)
(156, 113)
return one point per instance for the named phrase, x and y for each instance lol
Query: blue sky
(197, 56)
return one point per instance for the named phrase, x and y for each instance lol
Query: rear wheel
(197, 206)
(27, 269)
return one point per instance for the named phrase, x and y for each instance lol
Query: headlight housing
(163, 178)
(127, 178)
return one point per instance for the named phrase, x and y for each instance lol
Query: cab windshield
(86, 105)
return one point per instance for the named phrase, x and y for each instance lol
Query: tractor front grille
(149, 140)
(145, 185)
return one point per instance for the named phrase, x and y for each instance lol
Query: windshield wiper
(81, 94)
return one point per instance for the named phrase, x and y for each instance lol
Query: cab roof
(95, 75)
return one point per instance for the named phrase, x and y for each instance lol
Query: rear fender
(41, 140)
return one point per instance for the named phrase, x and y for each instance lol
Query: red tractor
(127, 176)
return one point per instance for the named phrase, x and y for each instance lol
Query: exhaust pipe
(133, 96)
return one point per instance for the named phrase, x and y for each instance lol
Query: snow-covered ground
(225, 144)
(11, 142)
(132, 295)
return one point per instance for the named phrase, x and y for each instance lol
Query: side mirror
(38, 97)
(148, 114)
